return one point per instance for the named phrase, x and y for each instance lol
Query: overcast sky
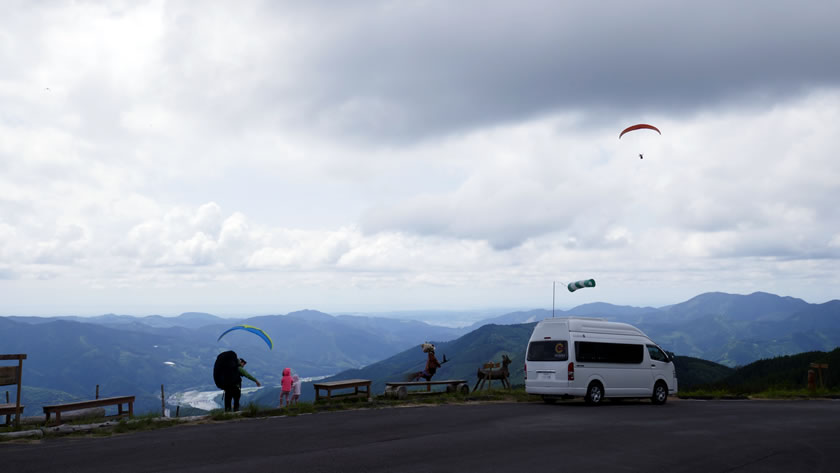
(265, 157)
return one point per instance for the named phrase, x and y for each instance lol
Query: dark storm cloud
(408, 70)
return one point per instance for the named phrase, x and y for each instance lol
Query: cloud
(735, 171)
(399, 150)
(415, 70)
(389, 72)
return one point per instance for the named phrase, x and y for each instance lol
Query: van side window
(657, 354)
(550, 350)
(597, 352)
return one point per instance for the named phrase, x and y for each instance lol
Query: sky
(262, 157)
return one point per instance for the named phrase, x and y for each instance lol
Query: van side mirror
(670, 355)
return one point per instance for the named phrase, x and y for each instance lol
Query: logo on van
(560, 348)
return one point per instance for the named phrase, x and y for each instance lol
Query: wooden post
(162, 403)
(20, 383)
(97, 391)
(819, 367)
(178, 411)
(489, 368)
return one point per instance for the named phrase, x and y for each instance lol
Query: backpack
(226, 370)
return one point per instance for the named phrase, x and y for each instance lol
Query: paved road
(704, 436)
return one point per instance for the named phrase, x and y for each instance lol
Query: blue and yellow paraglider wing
(250, 328)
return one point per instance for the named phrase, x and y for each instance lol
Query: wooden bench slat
(118, 401)
(20, 356)
(347, 382)
(425, 383)
(107, 401)
(398, 389)
(329, 386)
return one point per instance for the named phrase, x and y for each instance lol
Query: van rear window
(549, 350)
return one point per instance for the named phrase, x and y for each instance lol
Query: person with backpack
(227, 374)
(234, 392)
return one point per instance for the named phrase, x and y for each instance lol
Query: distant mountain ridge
(731, 329)
(127, 354)
(187, 319)
(755, 307)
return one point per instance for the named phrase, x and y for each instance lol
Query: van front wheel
(660, 393)
(594, 393)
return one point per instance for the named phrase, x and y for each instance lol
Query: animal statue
(489, 374)
(432, 364)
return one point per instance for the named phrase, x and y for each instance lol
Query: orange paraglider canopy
(640, 126)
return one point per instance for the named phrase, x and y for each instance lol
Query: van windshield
(550, 350)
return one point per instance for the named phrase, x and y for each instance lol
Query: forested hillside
(784, 372)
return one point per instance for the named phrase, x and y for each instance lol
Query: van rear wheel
(660, 393)
(594, 393)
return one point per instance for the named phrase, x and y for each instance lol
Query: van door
(659, 366)
(547, 366)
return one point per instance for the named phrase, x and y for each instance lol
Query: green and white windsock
(574, 286)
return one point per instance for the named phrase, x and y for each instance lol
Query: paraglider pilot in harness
(234, 392)
(432, 364)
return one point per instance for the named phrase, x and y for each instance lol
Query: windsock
(574, 286)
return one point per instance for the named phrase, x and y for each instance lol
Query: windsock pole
(553, 296)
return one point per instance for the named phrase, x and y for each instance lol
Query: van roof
(595, 325)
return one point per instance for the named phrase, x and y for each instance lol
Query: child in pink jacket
(285, 386)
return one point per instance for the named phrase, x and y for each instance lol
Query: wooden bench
(11, 410)
(399, 389)
(12, 375)
(330, 386)
(118, 401)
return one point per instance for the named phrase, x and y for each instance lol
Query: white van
(596, 359)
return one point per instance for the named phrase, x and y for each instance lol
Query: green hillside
(466, 355)
(694, 372)
(489, 343)
(783, 372)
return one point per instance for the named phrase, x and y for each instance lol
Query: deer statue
(489, 374)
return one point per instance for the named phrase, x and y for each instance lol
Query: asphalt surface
(703, 436)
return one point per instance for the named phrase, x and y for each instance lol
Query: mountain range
(730, 329)
(68, 356)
